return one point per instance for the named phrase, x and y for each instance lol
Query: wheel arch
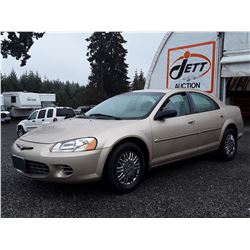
(21, 125)
(138, 141)
(229, 124)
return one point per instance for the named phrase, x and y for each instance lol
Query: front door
(30, 123)
(41, 117)
(174, 137)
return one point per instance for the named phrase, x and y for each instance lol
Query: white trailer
(216, 62)
(21, 104)
(5, 115)
(47, 100)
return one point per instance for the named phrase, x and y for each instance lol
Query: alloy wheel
(230, 145)
(128, 168)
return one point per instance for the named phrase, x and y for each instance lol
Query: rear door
(49, 116)
(175, 137)
(209, 118)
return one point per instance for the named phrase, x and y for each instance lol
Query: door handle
(42, 120)
(191, 122)
(221, 116)
(33, 121)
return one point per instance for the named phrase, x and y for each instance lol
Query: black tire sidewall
(111, 167)
(222, 152)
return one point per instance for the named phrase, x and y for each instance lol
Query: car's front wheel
(125, 168)
(20, 131)
(228, 145)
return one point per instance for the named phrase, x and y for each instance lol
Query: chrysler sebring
(126, 135)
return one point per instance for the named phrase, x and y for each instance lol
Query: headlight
(76, 145)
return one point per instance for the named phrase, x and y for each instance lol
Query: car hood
(73, 128)
(22, 121)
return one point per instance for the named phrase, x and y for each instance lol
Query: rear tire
(228, 146)
(125, 168)
(20, 131)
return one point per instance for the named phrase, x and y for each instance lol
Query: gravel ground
(198, 187)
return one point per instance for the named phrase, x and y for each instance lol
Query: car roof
(165, 91)
(53, 108)
(152, 90)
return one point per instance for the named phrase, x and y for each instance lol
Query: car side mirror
(165, 114)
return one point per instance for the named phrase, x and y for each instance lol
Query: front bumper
(4, 119)
(87, 166)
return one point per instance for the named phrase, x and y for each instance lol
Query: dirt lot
(198, 187)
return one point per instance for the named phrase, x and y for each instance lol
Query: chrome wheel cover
(128, 168)
(20, 132)
(230, 145)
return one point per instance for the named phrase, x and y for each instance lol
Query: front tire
(228, 145)
(20, 131)
(125, 168)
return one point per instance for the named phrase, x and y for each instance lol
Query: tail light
(55, 119)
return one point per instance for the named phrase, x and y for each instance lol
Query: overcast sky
(63, 55)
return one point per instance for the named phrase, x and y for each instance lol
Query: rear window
(203, 103)
(50, 113)
(41, 114)
(65, 112)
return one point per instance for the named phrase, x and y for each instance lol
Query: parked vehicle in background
(5, 115)
(21, 104)
(81, 110)
(44, 116)
(47, 100)
(124, 136)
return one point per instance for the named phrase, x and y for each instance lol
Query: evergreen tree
(135, 81)
(106, 55)
(139, 81)
(10, 82)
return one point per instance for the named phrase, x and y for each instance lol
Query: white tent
(226, 54)
(236, 55)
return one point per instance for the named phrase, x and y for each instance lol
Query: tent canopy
(236, 56)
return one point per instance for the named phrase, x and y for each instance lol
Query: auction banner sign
(192, 66)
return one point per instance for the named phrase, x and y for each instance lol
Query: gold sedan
(126, 135)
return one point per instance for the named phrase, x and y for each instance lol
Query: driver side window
(33, 115)
(178, 102)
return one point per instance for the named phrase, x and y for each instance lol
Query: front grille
(36, 168)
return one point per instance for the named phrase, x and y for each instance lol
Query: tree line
(67, 93)
(109, 71)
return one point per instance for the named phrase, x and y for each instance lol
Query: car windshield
(132, 105)
(3, 108)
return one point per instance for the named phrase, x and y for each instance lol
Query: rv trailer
(21, 104)
(47, 100)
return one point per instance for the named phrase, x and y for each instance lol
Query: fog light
(64, 171)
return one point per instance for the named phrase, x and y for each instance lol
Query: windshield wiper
(99, 115)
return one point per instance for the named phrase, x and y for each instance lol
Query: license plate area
(19, 163)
